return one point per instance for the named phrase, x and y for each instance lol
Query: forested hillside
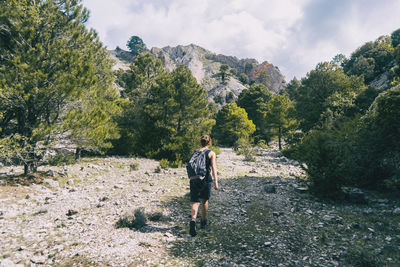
(348, 115)
(59, 93)
(223, 77)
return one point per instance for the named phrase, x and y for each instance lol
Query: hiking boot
(192, 230)
(203, 224)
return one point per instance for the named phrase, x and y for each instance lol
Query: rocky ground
(263, 215)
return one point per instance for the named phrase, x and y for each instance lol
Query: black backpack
(197, 165)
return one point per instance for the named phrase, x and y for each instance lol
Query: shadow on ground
(254, 228)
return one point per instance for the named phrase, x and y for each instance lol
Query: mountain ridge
(205, 67)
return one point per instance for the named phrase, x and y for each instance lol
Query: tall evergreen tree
(48, 61)
(167, 111)
(278, 116)
(232, 124)
(255, 101)
(325, 89)
(136, 45)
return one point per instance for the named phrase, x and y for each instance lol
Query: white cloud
(294, 35)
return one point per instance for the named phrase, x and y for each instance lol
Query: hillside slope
(261, 216)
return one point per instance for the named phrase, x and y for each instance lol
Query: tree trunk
(279, 138)
(26, 169)
(78, 154)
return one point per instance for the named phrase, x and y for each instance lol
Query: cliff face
(205, 67)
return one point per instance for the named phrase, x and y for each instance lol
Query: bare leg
(195, 208)
(204, 209)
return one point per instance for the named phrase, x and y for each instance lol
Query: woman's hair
(205, 140)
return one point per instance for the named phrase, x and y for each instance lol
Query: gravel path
(261, 216)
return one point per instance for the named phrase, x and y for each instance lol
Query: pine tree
(255, 101)
(167, 111)
(232, 124)
(48, 61)
(279, 115)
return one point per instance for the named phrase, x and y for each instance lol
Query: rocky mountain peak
(205, 66)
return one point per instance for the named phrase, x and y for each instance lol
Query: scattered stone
(72, 190)
(38, 259)
(117, 186)
(51, 183)
(309, 212)
(355, 195)
(71, 213)
(70, 182)
(2, 182)
(103, 199)
(267, 244)
(41, 211)
(8, 263)
(27, 196)
(62, 173)
(396, 211)
(329, 218)
(283, 159)
(50, 173)
(82, 168)
(168, 234)
(301, 189)
(270, 188)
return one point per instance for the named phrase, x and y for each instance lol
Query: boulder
(396, 211)
(51, 183)
(355, 195)
(270, 189)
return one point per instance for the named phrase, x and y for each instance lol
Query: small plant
(216, 150)
(135, 221)
(61, 159)
(244, 147)
(156, 216)
(164, 163)
(176, 164)
(134, 166)
(157, 169)
(261, 143)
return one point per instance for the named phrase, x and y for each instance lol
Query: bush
(329, 156)
(245, 148)
(216, 150)
(135, 221)
(176, 164)
(62, 159)
(134, 166)
(232, 124)
(164, 164)
(261, 143)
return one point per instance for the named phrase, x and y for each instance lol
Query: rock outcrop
(205, 67)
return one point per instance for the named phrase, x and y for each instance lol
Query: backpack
(197, 167)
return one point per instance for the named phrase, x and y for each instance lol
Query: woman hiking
(200, 189)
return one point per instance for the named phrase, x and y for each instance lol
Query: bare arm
(214, 169)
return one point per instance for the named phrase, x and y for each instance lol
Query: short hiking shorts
(200, 189)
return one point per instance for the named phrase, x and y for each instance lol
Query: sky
(294, 35)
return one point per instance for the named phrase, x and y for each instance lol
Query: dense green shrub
(61, 159)
(245, 148)
(232, 124)
(164, 163)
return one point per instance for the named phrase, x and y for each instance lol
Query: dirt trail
(261, 216)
